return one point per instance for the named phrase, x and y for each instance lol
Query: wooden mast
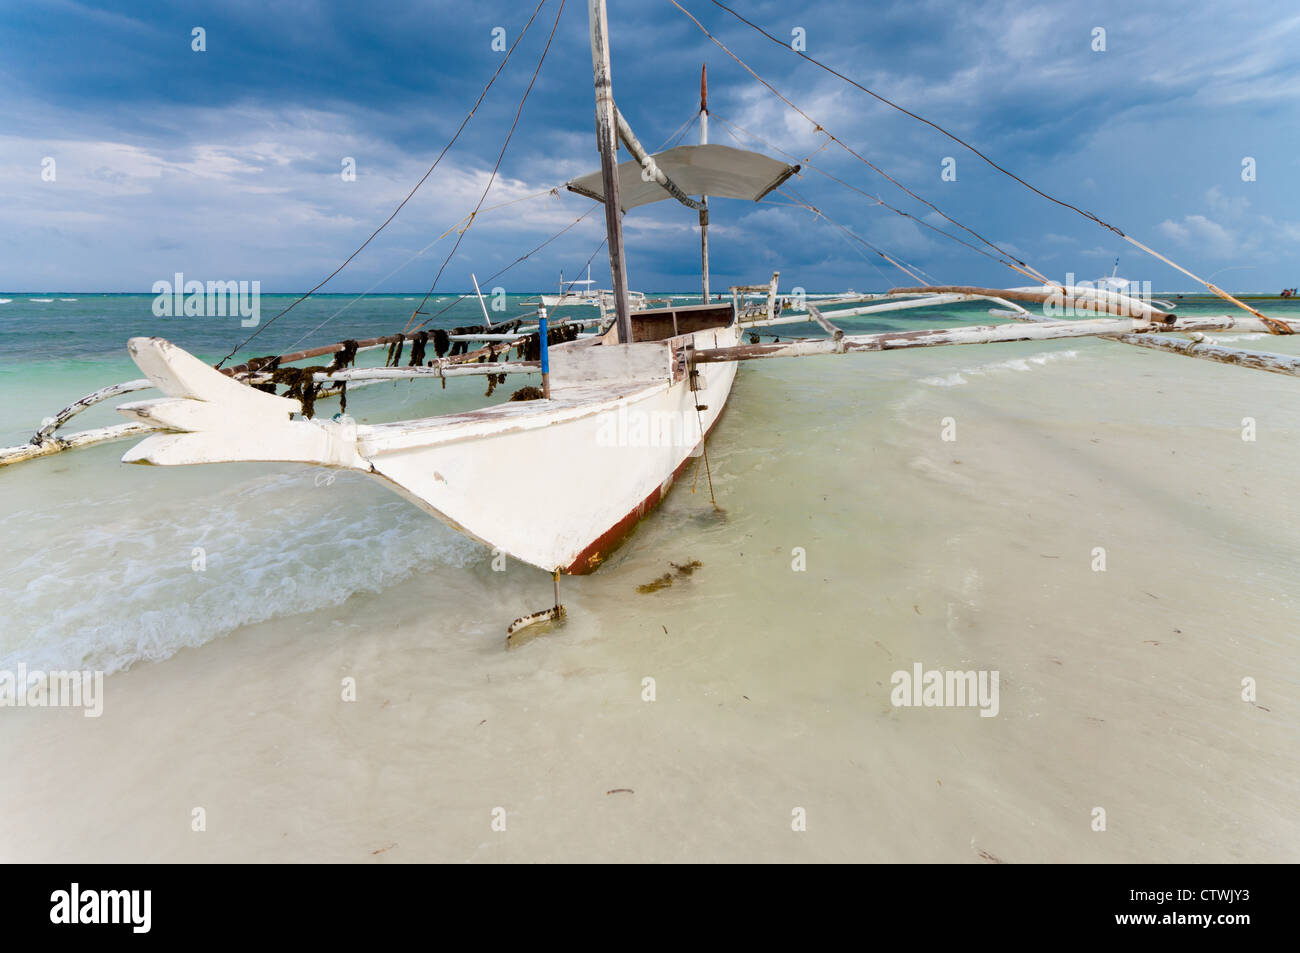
(607, 144)
(704, 212)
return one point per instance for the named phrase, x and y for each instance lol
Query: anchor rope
(704, 443)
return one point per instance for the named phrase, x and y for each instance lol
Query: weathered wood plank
(448, 370)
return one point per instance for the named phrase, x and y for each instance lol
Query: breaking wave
(106, 593)
(958, 378)
(1227, 338)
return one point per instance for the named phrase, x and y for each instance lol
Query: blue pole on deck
(546, 361)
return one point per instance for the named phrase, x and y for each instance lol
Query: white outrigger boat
(452, 465)
(625, 409)
(589, 297)
(568, 296)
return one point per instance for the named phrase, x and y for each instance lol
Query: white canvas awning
(698, 170)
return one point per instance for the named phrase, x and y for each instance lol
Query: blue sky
(225, 164)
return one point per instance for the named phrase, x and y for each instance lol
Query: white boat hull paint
(636, 300)
(554, 483)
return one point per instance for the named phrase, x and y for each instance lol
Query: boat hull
(556, 483)
(600, 548)
(563, 496)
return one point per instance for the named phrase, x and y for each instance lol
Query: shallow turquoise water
(1120, 689)
(119, 537)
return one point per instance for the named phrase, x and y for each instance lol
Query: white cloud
(1204, 235)
(229, 202)
(1179, 233)
(1231, 206)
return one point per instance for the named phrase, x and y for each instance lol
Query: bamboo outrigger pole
(992, 334)
(607, 144)
(1199, 346)
(1064, 298)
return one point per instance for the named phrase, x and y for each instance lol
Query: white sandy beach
(1119, 689)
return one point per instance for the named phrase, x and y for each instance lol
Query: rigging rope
(590, 259)
(498, 274)
(807, 163)
(910, 268)
(1275, 326)
(676, 137)
(820, 214)
(418, 254)
(500, 156)
(818, 127)
(450, 143)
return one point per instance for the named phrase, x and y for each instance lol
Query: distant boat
(1113, 282)
(1125, 286)
(591, 298)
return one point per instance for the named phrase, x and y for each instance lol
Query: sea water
(300, 665)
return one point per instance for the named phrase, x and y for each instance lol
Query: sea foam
(103, 595)
(1021, 364)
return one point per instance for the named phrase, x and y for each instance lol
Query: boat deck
(567, 402)
(587, 377)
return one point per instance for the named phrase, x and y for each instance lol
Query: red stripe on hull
(590, 559)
